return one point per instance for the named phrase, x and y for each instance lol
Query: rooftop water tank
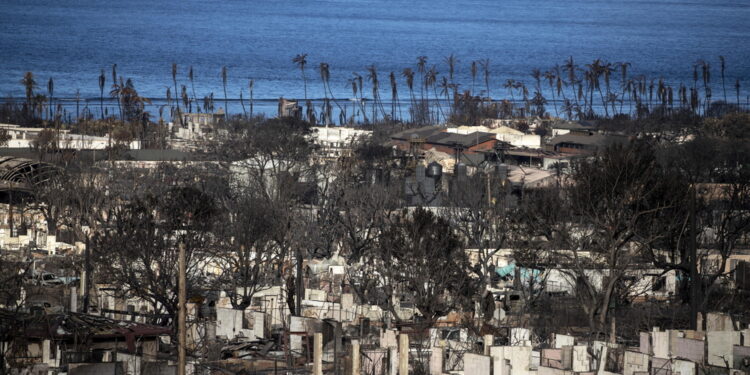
(434, 170)
(461, 170)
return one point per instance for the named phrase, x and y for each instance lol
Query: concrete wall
(132, 363)
(689, 349)
(520, 337)
(229, 323)
(518, 358)
(661, 366)
(299, 326)
(581, 359)
(684, 367)
(159, 368)
(500, 365)
(721, 347)
(719, 322)
(388, 338)
(273, 303)
(436, 361)
(552, 358)
(50, 354)
(553, 371)
(114, 368)
(660, 341)
(256, 324)
(635, 362)
(476, 364)
(563, 340)
(603, 352)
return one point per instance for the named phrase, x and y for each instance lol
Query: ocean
(71, 41)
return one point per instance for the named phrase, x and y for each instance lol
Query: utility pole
(86, 273)
(489, 190)
(300, 286)
(696, 282)
(181, 314)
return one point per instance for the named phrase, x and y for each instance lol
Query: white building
(24, 137)
(337, 141)
(515, 137)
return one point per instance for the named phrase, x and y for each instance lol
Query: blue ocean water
(72, 40)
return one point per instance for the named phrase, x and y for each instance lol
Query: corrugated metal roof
(594, 139)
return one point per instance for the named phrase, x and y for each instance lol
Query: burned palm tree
(723, 86)
(102, 81)
(694, 101)
(169, 101)
(706, 75)
(538, 101)
(670, 97)
(116, 93)
(372, 76)
(301, 61)
(595, 72)
(355, 85)
(695, 75)
(29, 84)
(559, 82)
(360, 82)
(607, 70)
(408, 74)
(650, 94)
(78, 103)
(186, 99)
(116, 90)
(51, 93)
(251, 88)
(242, 104)
(445, 91)
(432, 77)
(661, 94)
(174, 83)
(537, 75)
(526, 101)
(473, 76)
(623, 66)
(510, 84)
(208, 102)
(737, 91)
(394, 96)
(682, 93)
(486, 71)
(422, 69)
(551, 78)
(134, 106)
(191, 77)
(325, 77)
(571, 68)
(224, 84)
(451, 61)
(581, 95)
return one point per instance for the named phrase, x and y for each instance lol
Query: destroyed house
(434, 137)
(577, 143)
(69, 340)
